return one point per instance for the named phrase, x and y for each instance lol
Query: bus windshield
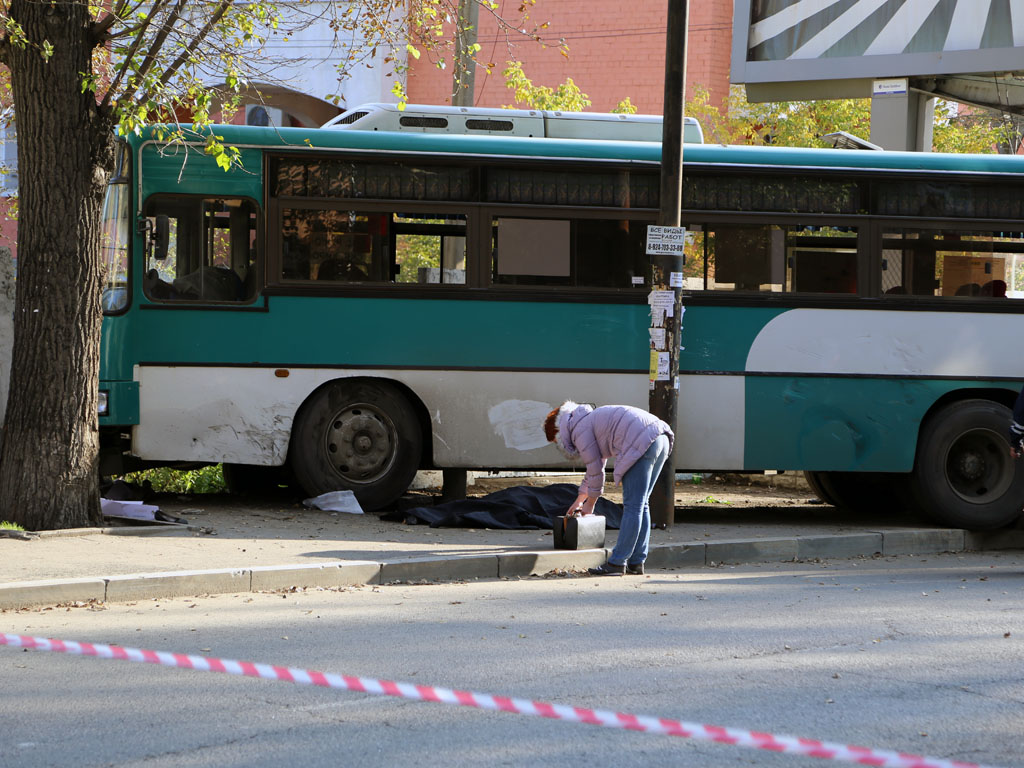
(114, 248)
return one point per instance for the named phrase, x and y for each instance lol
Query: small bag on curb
(579, 532)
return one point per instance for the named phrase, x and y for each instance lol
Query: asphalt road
(919, 654)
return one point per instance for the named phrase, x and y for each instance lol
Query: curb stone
(121, 530)
(520, 564)
(499, 565)
(844, 546)
(750, 551)
(343, 573)
(52, 592)
(143, 586)
(440, 569)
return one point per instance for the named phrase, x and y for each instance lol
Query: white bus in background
(466, 121)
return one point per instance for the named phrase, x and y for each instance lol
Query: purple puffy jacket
(621, 432)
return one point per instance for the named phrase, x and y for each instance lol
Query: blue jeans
(637, 484)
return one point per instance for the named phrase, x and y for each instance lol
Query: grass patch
(166, 480)
(10, 526)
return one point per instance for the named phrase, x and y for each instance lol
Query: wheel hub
(971, 466)
(361, 443)
(977, 466)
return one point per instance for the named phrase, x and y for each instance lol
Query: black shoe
(635, 570)
(608, 569)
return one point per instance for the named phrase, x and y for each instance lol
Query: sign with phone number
(665, 240)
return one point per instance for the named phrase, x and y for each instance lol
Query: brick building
(615, 50)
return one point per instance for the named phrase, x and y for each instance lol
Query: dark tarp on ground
(520, 507)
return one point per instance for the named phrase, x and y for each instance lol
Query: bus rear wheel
(817, 482)
(357, 435)
(964, 475)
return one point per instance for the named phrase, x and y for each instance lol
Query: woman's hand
(584, 504)
(577, 506)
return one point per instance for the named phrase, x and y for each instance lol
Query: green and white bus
(357, 305)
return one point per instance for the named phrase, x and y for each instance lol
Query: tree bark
(49, 456)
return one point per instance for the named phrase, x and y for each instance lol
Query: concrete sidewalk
(234, 546)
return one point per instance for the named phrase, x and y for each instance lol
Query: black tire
(964, 475)
(254, 479)
(814, 479)
(358, 435)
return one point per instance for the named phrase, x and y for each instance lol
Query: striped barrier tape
(606, 718)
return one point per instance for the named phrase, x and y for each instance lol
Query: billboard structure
(970, 51)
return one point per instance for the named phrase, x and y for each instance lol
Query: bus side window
(611, 253)
(775, 259)
(695, 257)
(580, 252)
(745, 258)
(821, 259)
(951, 263)
(532, 251)
(336, 246)
(211, 253)
(430, 248)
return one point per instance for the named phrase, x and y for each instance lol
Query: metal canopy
(1003, 92)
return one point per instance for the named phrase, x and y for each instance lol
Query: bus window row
(331, 245)
(934, 263)
(206, 249)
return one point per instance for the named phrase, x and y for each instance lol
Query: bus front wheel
(357, 435)
(964, 475)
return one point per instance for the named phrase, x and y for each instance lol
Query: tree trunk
(49, 457)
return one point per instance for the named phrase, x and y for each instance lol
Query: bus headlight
(104, 407)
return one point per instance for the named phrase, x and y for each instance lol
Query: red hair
(551, 425)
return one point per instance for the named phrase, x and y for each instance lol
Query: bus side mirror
(161, 236)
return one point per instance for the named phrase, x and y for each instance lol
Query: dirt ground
(722, 490)
(705, 497)
(719, 499)
(741, 491)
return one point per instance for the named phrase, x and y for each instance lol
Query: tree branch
(126, 63)
(115, 15)
(161, 36)
(187, 51)
(131, 31)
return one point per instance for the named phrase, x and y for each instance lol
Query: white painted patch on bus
(886, 343)
(520, 423)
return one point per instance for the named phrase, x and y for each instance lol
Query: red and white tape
(606, 718)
